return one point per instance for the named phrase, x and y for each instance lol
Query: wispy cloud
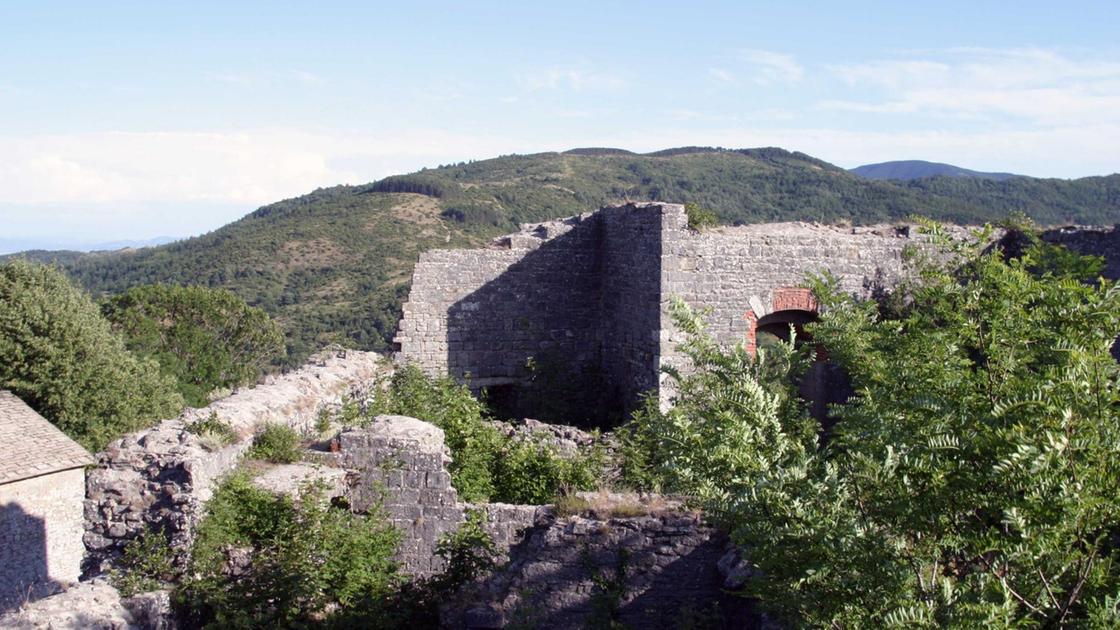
(1035, 85)
(257, 79)
(767, 67)
(577, 80)
(721, 76)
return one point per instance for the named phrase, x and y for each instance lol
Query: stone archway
(825, 383)
(787, 305)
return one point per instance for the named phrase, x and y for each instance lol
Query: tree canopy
(205, 338)
(61, 357)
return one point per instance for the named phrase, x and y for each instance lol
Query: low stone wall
(642, 572)
(162, 477)
(398, 463)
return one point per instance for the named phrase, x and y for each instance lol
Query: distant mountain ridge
(917, 169)
(334, 265)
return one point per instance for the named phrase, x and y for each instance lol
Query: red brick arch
(782, 299)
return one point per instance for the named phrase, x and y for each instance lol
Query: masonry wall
(40, 535)
(162, 477)
(593, 292)
(658, 571)
(629, 319)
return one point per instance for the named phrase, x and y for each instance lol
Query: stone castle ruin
(564, 320)
(576, 310)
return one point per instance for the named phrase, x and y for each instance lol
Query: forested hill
(333, 265)
(916, 169)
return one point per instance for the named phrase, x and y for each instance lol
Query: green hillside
(334, 265)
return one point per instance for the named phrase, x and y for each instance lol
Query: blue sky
(133, 120)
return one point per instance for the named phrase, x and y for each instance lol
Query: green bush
(530, 473)
(213, 431)
(450, 406)
(700, 218)
(62, 358)
(309, 563)
(207, 339)
(485, 464)
(146, 564)
(276, 443)
(970, 482)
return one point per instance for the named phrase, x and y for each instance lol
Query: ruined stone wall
(1091, 241)
(40, 535)
(575, 572)
(398, 465)
(629, 321)
(484, 312)
(162, 477)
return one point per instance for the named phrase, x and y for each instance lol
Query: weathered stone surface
(292, 479)
(399, 464)
(90, 605)
(163, 476)
(40, 535)
(562, 576)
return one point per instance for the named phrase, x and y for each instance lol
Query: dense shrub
(276, 443)
(60, 356)
(485, 464)
(970, 482)
(146, 564)
(260, 560)
(205, 338)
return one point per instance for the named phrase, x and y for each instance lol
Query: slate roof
(30, 445)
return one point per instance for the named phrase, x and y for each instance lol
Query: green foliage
(145, 565)
(213, 430)
(205, 338)
(970, 482)
(332, 266)
(485, 464)
(699, 218)
(61, 357)
(276, 443)
(450, 406)
(307, 562)
(529, 473)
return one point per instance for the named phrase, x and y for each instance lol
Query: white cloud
(1038, 86)
(721, 76)
(249, 167)
(769, 67)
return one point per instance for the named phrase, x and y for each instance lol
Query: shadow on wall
(24, 575)
(529, 336)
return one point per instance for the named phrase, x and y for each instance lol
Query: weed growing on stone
(146, 564)
(276, 443)
(213, 432)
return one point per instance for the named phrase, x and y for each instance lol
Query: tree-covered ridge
(334, 265)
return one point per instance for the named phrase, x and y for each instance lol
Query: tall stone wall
(746, 273)
(40, 535)
(593, 291)
(629, 319)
